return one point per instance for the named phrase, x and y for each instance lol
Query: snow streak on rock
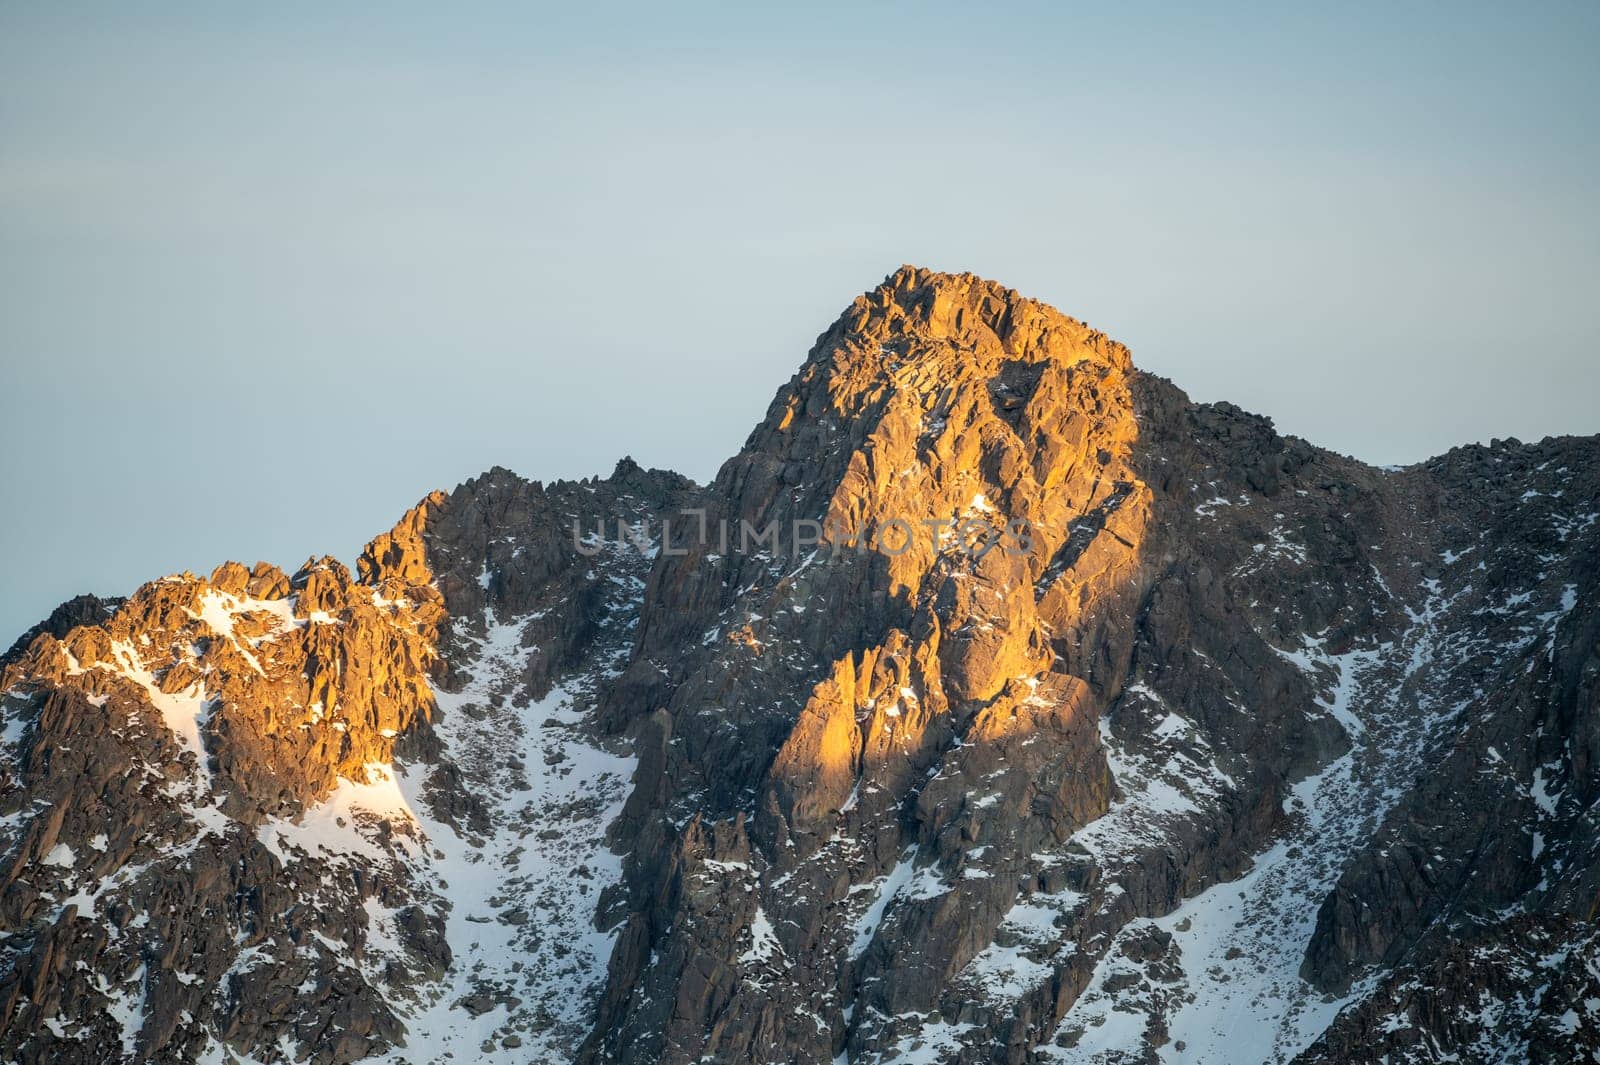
(527, 959)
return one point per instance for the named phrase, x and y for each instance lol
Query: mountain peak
(969, 313)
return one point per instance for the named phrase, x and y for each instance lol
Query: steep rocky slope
(995, 703)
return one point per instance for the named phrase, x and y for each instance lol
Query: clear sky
(271, 272)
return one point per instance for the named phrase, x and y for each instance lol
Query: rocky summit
(995, 703)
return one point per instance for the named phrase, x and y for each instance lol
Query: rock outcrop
(995, 703)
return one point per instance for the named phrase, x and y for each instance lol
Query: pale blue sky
(268, 274)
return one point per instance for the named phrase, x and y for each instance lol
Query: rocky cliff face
(995, 703)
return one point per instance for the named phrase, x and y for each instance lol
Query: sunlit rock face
(995, 703)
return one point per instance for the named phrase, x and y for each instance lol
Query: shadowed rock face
(1078, 723)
